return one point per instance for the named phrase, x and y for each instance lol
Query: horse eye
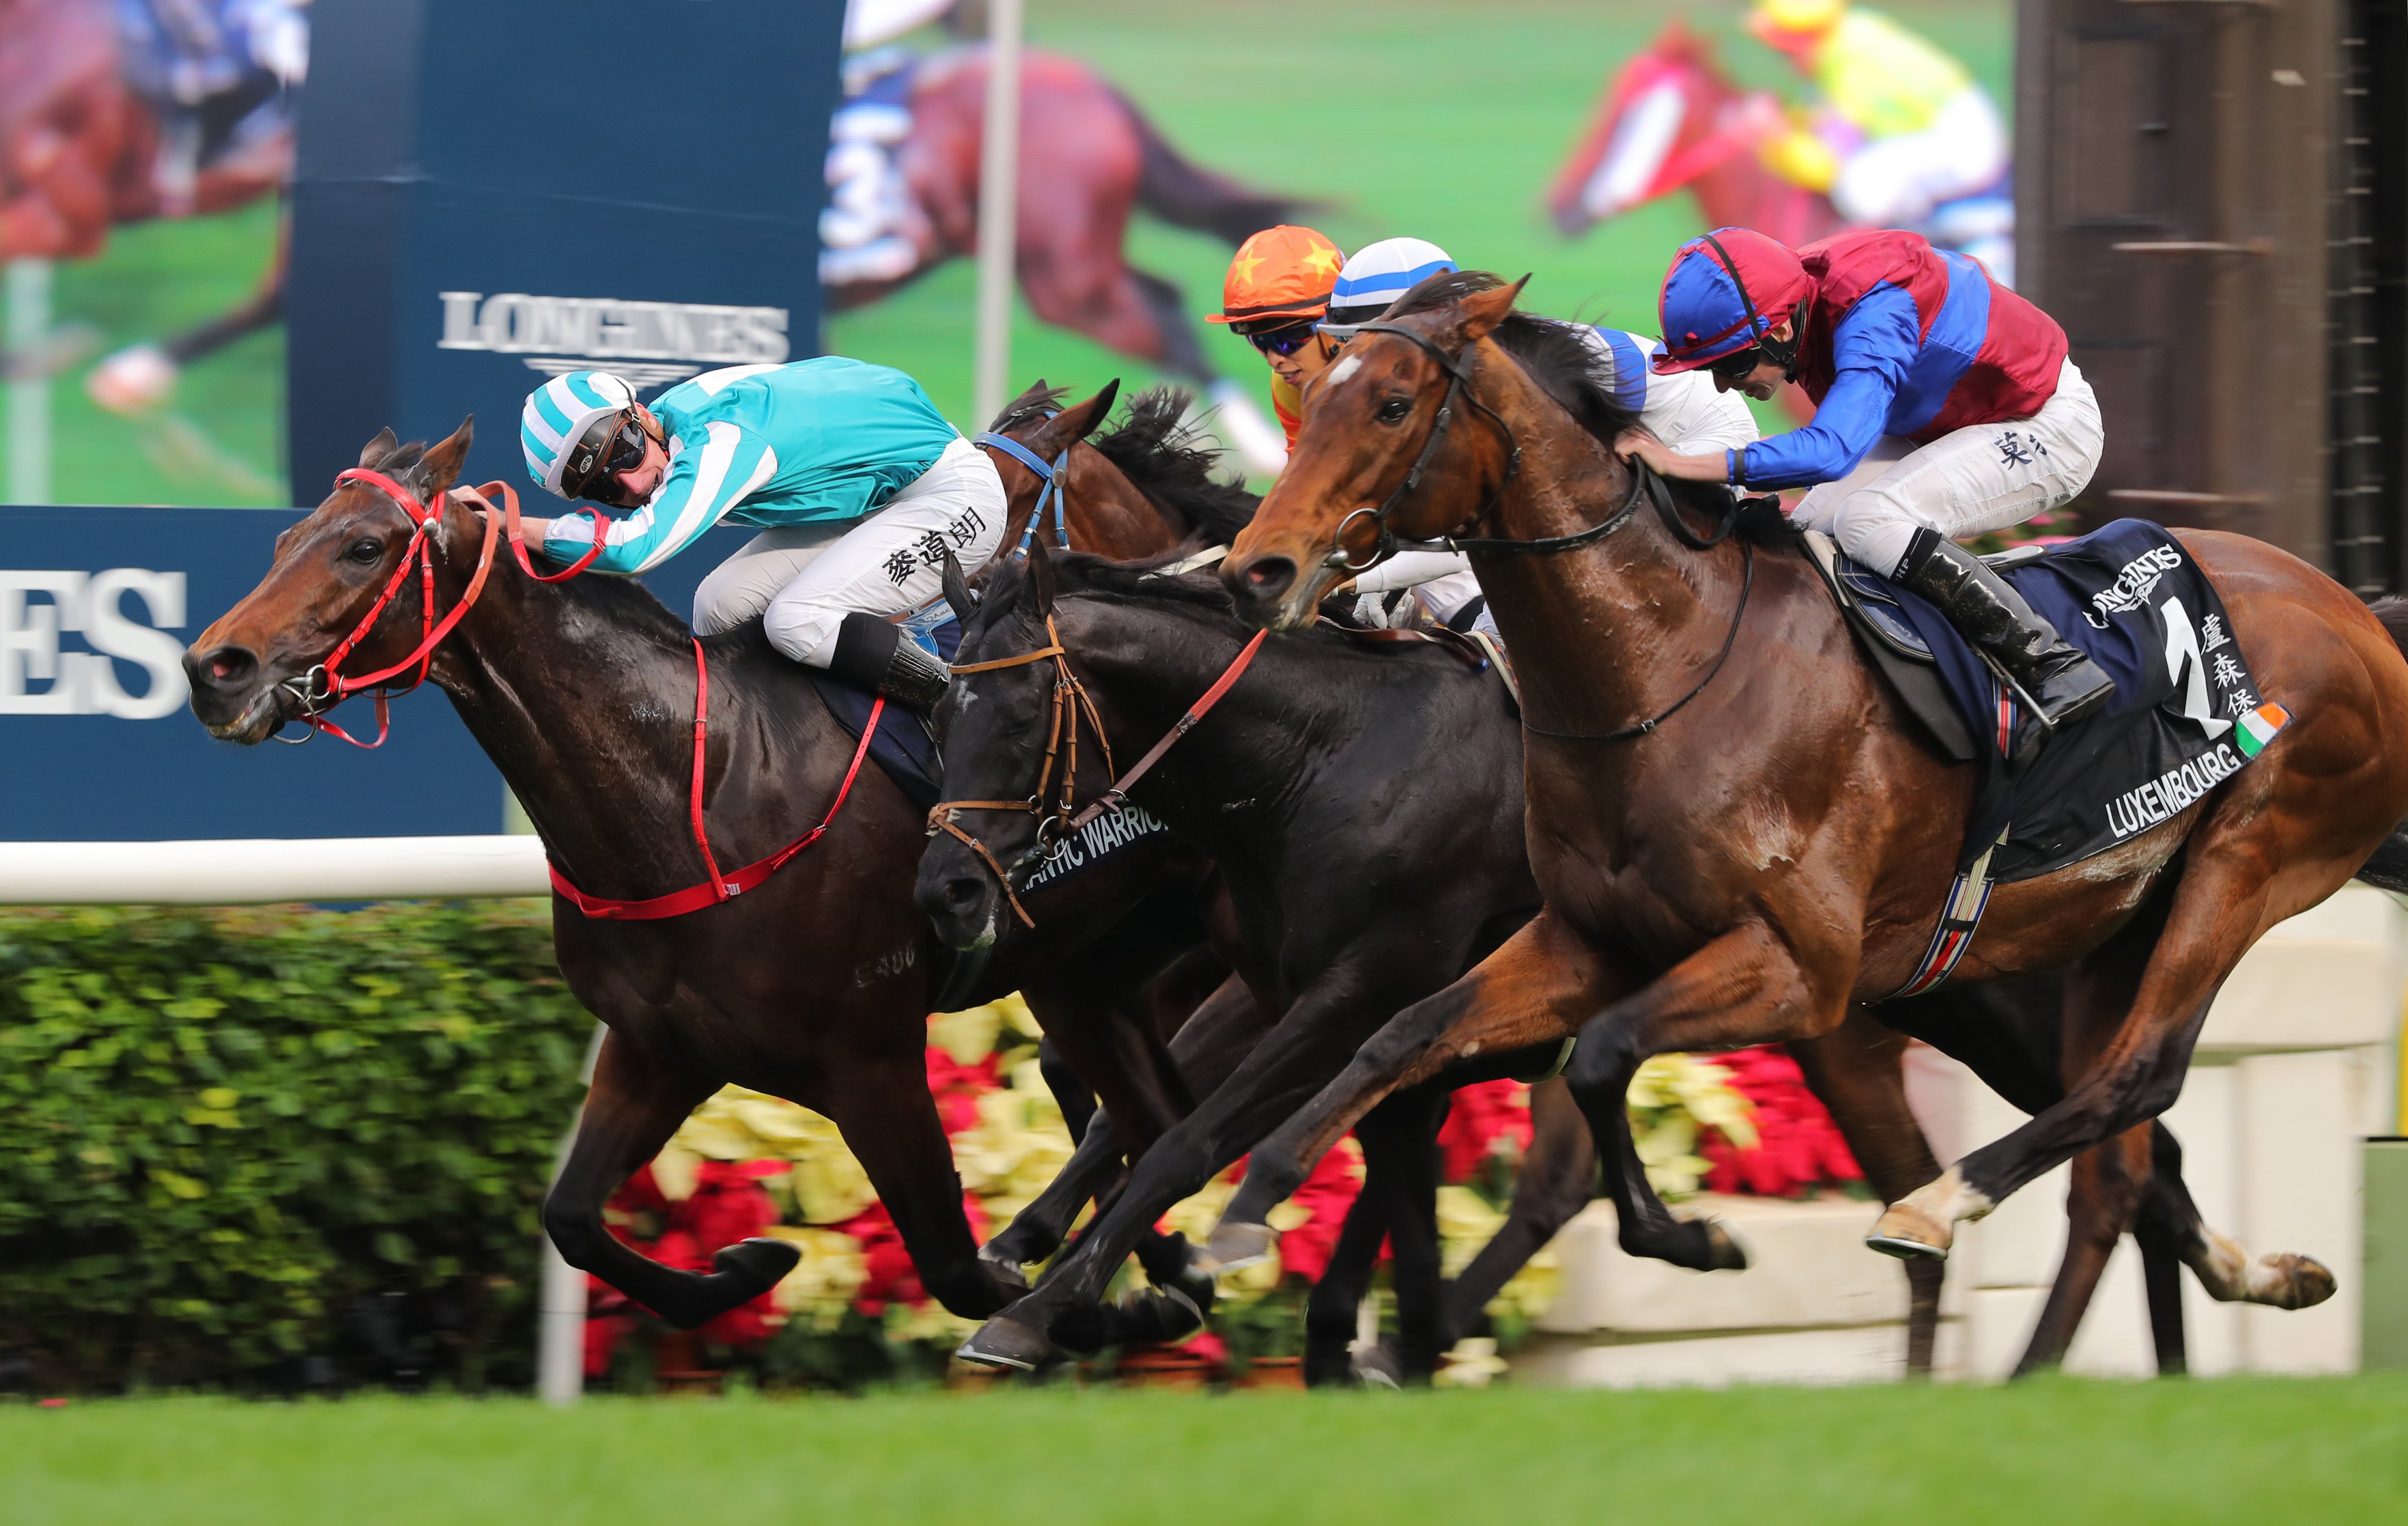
(367, 551)
(1394, 411)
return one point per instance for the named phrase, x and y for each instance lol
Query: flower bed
(852, 1311)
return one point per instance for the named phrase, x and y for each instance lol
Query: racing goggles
(612, 444)
(1738, 365)
(1287, 339)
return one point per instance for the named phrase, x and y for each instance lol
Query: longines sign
(667, 341)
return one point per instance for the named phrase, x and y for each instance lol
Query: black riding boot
(875, 654)
(2065, 685)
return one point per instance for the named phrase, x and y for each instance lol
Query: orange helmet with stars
(1279, 275)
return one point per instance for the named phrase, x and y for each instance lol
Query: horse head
(258, 666)
(1670, 115)
(1394, 444)
(999, 726)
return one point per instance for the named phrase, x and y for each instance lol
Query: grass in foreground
(2059, 1451)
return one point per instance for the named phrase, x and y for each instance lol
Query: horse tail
(2388, 868)
(1186, 194)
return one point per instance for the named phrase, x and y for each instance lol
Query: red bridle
(324, 687)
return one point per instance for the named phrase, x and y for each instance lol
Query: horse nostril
(1268, 577)
(963, 895)
(225, 667)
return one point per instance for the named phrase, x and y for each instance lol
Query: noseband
(1056, 825)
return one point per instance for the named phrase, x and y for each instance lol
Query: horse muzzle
(961, 903)
(233, 696)
(1271, 591)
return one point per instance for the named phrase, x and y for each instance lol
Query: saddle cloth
(2187, 714)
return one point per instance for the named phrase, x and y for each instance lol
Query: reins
(1644, 483)
(1058, 824)
(323, 687)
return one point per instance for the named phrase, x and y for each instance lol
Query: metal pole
(29, 394)
(560, 1328)
(999, 212)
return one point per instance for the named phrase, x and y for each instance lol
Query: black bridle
(1644, 483)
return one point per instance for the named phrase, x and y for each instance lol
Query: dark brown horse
(814, 985)
(1776, 851)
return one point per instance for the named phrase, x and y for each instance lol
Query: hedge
(277, 1147)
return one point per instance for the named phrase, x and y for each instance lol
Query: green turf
(1439, 117)
(2061, 1452)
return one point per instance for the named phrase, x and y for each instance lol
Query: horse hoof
(1906, 1232)
(1724, 1253)
(1005, 1342)
(2283, 1280)
(759, 1264)
(1234, 1247)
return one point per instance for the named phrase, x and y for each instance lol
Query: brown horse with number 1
(815, 983)
(1737, 831)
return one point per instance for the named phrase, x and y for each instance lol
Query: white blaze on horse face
(1625, 176)
(1343, 370)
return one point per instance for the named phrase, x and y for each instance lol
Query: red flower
(1477, 1118)
(957, 1087)
(1326, 1194)
(1797, 1144)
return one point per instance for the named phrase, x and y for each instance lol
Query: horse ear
(1082, 420)
(1040, 578)
(1480, 312)
(441, 467)
(386, 443)
(958, 596)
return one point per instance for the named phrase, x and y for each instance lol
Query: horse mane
(1168, 462)
(1567, 368)
(1079, 575)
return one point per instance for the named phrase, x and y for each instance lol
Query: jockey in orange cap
(1278, 287)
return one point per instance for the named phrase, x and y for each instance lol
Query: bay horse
(813, 986)
(1746, 864)
(1370, 839)
(1092, 158)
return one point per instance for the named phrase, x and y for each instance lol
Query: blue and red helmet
(1723, 294)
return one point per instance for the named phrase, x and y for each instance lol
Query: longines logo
(650, 343)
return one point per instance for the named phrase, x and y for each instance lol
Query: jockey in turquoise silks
(858, 485)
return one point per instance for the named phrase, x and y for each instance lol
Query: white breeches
(1895, 182)
(803, 580)
(1981, 477)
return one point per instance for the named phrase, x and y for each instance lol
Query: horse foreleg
(1558, 1178)
(1538, 985)
(1859, 1071)
(637, 1101)
(1643, 1225)
(1401, 1167)
(1331, 1309)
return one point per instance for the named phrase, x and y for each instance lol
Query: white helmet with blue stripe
(1380, 273)
(557, 418)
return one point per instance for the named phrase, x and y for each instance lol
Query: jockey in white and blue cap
(858, 485)
(1671, 407)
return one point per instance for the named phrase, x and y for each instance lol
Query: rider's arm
(1688, 414)
(1410, 569)
(1870, 350)
(703, 484)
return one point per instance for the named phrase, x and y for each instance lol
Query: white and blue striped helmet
(558, 413)
(1378, 275)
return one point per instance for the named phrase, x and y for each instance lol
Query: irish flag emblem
(2259, 727)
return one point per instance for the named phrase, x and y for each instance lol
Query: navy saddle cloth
(2185, 717)
(902, 746)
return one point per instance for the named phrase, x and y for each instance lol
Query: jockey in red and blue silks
(1945, 407)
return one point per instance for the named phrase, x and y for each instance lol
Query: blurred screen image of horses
(144, 144)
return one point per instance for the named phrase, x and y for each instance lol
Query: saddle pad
(2186, 714)
(902, 745)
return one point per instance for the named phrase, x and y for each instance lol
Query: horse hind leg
(635, 1104)
(1858, 1072)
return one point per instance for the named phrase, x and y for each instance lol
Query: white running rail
(248, 871)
